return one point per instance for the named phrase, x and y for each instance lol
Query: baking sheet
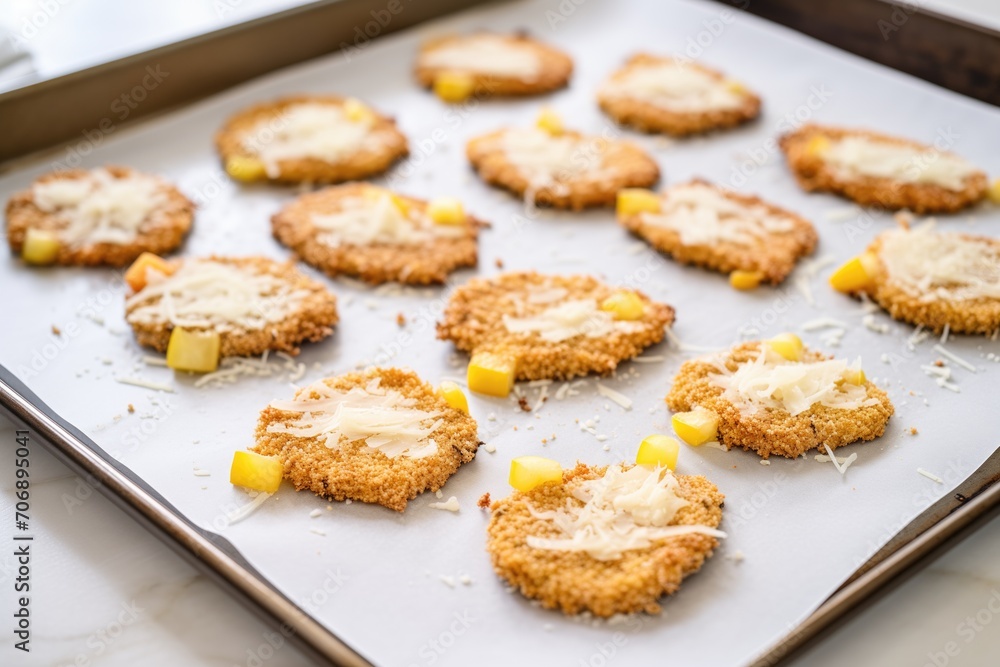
(375, 577)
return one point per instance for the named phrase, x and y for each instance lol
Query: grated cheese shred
(485, 54)
(369, 221)
(100, 208)
(626, 509)
(853, 156)
(675, 86)
(207, 294)
(382, 418)
(702, 215)
(938, 266)
(566, 320)
(771, 382)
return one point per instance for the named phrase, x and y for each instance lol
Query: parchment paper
(375, 577)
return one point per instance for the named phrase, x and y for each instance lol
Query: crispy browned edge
(574, 582)
(775, 257)
(356, 472)
(473, 321)
(647, 117)
(364, 164)
(419, 264)
(627, 165)
(768, 432)
(173, 221)
(312, 321)
(814, 175)
(973, 316)
(555, 72)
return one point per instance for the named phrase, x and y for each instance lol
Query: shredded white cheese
(769, 381)
(207, 294)
(450, 505)
(381, 418)
(621, 511)
(941, 266)
(243, 512)
(676, 86)
(100, 208)
(364, 221)
(853, 156)
(569, 319)
(545, 159)
(702, 215)
(485, 54)
(308, 130)
(621, 399)
(929, 475)
(145, 384)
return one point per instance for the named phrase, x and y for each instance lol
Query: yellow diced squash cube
(245, 168)
(745, 280)
(40, 247)
(994, 191)
(402, 204)
(735, 87)
(194, 351)
(137, 274)
(632, 201)
(492, 374)
(817, 145)
(356, 111)
(696, 427)
(856, 274)
(255, 471)
(624, 305)
(529, 472)
(855, 376)
(550, 121)
(446, 211)
(788, 345)
(658, 450)
(454, 86)
(454, 396)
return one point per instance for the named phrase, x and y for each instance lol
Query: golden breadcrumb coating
(774, 253)
(648, 117)
(426, 262)
(767, 431)
(473, 321)
(357, 472)
(162, 232)
(616, 164)
(574, 582)
(311, 320)
(555, 68)
(814, 175)
(369, 161)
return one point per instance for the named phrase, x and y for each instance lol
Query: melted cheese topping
(621, 511)
(545, 159)
(854, 156)
(676, 87)
(204, 294)
(702, 215)
(485, 54)
(566, 320)
(308, 130)
(381, 418)
(99, 208)
(366, 221)
(771, 382)
(933, 266)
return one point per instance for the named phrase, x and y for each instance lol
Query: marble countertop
(106, 594)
